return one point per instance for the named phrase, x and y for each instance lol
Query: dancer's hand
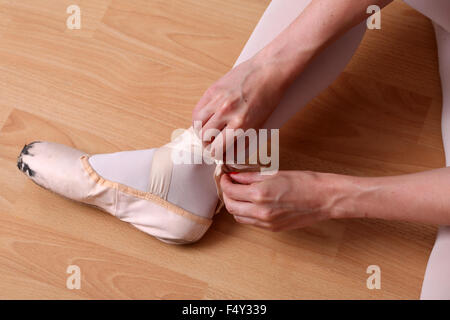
(283, 201)
(244, 98)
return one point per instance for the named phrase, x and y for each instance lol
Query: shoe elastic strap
(161, 172)
(162, 165)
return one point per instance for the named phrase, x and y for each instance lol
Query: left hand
(244, 99)
(283, 201)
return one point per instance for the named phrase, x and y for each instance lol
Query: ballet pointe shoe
(68, 172)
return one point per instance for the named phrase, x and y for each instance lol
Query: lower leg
(318, 75)
(436, 10)
(436, 284)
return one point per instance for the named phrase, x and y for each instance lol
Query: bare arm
(422, 197)
(295, 199)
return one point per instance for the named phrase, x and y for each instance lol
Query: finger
(213, 128)
(226, 144)
(235, 191)
(253, 222)
(219, 145)
(240, 208)
(204, 109)
(247, 177)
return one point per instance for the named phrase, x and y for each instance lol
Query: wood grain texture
(130, 77)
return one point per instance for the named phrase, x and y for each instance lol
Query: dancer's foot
(173, 202)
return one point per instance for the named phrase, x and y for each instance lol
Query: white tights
(436, 284)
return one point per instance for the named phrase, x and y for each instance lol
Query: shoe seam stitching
(140, 194)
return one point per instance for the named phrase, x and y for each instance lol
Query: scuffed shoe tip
(23, 166)
(51, 165)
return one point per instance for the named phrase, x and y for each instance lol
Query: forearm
(422, 197)
(319, 24)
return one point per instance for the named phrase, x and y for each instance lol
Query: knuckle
(212, 90)
(228, 106)
(257, 196)
(226, 188)
(265, 215)
(260, 194)
(238, 121)
(200, 115)
(199, 111)
(230, 208)
(195, 113)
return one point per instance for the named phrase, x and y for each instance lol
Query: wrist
(341, 195)
(282, 64)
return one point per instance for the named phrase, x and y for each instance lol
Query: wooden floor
(130, 76)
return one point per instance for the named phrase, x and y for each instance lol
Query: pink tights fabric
(328, 65)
